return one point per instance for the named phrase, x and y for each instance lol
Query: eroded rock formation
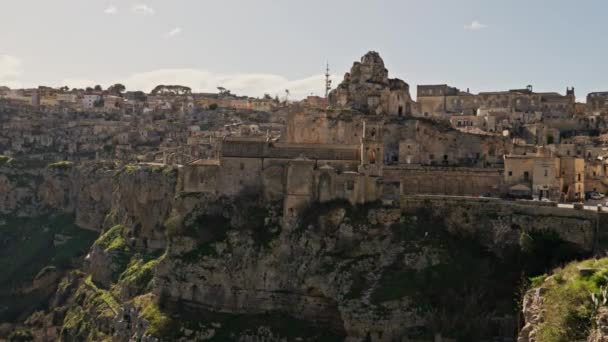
(367, 88)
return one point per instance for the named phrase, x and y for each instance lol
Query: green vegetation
(102, 298)
(114, 243)
(21, 336)
(29, 247)
(62, 165)
(131, 168)
(460, 275)
(536, 281)
(92, 305)
(568, 309)
(6, 160)
(167, 320)
(161, 323)
(113, 240)
(139, 273)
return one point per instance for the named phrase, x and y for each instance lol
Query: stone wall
(495, 219)
(442, 181)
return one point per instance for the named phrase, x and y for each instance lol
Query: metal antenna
(327, 81)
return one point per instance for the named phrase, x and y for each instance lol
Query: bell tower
(372, 149)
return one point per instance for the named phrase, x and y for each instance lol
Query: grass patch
(114, 243)
(92, 305)
(161, 324)
(568, 310)
(139, 274)
(62, 165)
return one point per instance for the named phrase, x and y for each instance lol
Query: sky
(254, 47)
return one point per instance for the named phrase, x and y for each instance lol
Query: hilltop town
(363, 215)
(368, 140)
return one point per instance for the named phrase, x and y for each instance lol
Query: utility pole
(327, 81)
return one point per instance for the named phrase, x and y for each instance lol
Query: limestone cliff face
(141, 201)
(31, 190)
(177, 266)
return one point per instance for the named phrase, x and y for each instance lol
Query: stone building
(545, 176)
(597, 102)
(368, 89)
(441, 100)
(297, 174)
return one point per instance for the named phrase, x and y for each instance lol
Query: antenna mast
(327, 81)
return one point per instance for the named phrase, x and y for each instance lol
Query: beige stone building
(441, 100)
(597, 102)
(545, 176)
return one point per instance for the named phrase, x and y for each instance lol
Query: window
(510, 173)
(526, 176)
(431, 156)
(546, 173)
(242, 166)
(579, 177)
(350, 185)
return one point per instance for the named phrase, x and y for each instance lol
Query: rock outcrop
(368, 89)
(84, 190)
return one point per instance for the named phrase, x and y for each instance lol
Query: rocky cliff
(174, 266)
(32, 188)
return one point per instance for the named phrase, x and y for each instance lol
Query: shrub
(568, 308)
(160, 323)
(536, 281)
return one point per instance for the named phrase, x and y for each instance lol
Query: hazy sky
(257, 46)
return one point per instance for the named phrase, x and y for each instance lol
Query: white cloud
(143, 9)
(10, 70)
(111, 10)
(241, 84)
(475, 25)
(174, 32)
(200, 80)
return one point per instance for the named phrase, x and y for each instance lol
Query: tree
(286, 95)
(64, 88)
(117, 89)
(223, 91)
(171, 90)
(89, 89)
(98, 88)
(267, 96)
